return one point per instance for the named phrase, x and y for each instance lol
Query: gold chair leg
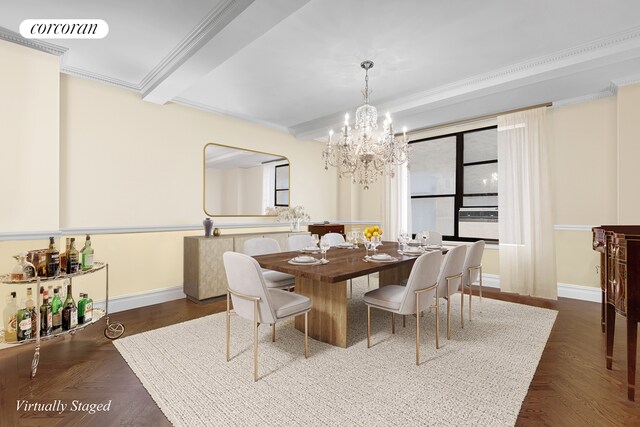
(368, 326)
(393, 323)
(462, 306)
(306, 334)
(470, 295)
(437, 326)
(255, 341)
(417, 330)
(448, 317)
(480, 289)
(228, 356)
(404, 321)
(273, 333)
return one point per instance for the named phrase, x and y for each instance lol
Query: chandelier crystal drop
(366, 153)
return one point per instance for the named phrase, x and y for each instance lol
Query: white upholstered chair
(450, 281)
(435, 238)
(263, 246)
(472, 271)
(254, 301)
(334, 238)
(299, 241)
(418, 295)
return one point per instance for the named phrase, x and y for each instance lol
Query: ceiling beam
(228, 29)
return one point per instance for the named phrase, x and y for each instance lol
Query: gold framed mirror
(242, 182)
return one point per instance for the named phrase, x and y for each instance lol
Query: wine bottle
(23, 320)
(70, 311)
(31, 306)
(63, 256)
(72, 258)
(87, 254)
(9, 318)
(46, 316)
(52, 259)
(56, 311)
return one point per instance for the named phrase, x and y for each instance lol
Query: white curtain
(527, 250)
(396, 206)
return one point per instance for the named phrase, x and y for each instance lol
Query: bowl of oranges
(374, 230)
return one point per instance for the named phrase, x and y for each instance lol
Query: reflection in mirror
(239, 182)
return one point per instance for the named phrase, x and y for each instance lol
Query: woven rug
(479, 377)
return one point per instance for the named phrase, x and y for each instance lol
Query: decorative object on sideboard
(216, 231)
(208, 225)
(365, 153)
(294, 215)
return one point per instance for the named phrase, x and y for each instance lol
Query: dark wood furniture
(326, 285)
(322, 229)
(619, 246)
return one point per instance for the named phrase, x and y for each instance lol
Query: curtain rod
(478, 119)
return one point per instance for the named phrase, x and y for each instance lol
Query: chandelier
(366, 153)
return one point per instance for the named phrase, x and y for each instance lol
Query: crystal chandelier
(365, 153)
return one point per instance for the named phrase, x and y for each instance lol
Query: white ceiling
(221, 157)
(294, 64)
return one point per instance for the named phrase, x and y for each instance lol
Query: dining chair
(334, 238)
(419, 294)
(253, 300)
(472, 271)
(450, 281)
(299, 241)
(435, 238)
(265, 245)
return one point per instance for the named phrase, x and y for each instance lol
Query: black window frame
(458, 197)
(276, 189)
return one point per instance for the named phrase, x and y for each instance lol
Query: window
(282, 185)
(454, 185)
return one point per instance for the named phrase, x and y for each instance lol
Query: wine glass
(375, 242)
(367, 246)
(425, 239)
(315, 239)
(324, 247)
(403, 237)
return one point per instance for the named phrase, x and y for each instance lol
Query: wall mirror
(241, 182)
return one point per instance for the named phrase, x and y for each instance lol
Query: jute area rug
(478, 377)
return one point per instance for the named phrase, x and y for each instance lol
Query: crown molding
(13, 37)
(218, 18)
(99, 78)
(603, 47)
(629, 80)
(210, 109)
(585, 98)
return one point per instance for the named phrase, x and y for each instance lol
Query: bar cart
(112, 331)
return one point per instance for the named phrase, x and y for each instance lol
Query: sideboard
(204, 276)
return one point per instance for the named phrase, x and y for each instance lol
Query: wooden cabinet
(322, 229)
(204, 276)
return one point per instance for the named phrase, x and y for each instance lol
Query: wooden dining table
(326, 284)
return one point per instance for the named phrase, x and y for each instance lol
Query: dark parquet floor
(571, 386)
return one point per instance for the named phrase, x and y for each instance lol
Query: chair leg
(417, 330)
(255, 341)
(462, 306)
(273, 333)
(404, 321)
(470, 295)
(393, 323)
(437, 323)
(228, 320)
(448, 317)
(351, 288)
(480, 290)
(368, 326)
(306, 334)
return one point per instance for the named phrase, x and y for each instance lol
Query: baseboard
(565, 290)
(142, 299)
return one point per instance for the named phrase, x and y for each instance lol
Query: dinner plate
(304, 259)
(309, 250)
(411, 253)
(390, 259)
(316, 262)
(344, 246)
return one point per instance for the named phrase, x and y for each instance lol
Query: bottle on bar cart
(52, 259)
(46, 316)
(72, 258)
(87, 254)
(9, 318)
(70, 311)
(23, 320)
(56, 311)
(31, 306)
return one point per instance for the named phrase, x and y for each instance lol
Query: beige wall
(628, 154)
(121, 162)
(29, 148)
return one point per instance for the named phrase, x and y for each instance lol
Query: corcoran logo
(64, 28)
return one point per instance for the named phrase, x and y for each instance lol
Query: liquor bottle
(63, 256)
(88, 309)
(23, 320)
(56, 311)
(23, 270)
(53, 259)
(31, 306)
(81, 308)
(46, 316)
(72, 258)
(9, 318)
(70, 311)
(87, 254)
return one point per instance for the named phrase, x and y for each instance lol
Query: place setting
(309, 260)
(372, 245)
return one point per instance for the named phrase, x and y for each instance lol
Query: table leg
(611, 328)
(327, 319)
(393, 276)
(632, 341)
